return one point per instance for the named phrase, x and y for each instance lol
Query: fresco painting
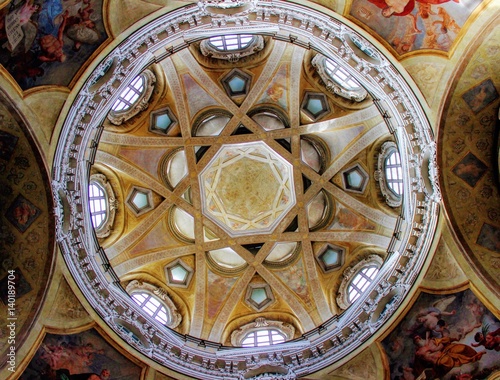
(409, 25)
(198, 97)
(276, 92)
(22, 213)
(480, 96)
(347, 219)
(470, 169)
(38, 36)
(446, 337)
(85, 356)
(218, 288)
(294, 277)
(7, 145)
(489, 237)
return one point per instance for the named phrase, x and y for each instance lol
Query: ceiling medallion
(307, 29)
(247, 188)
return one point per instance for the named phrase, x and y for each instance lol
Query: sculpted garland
(163, 37)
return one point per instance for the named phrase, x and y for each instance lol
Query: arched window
(102, 205)
(152, 306)
(341, 76)
(98, 205)
(262, 332)
(231, 42)
(394, 172)
(357, 279)
(155, 302)
(231, 47)
(361, 282)
(338, 80)
(389, 174)
(263, 337)
(133, 99)
(130, 95)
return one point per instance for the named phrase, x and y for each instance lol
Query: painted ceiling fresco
(445, 336)
(46, 42)
(85, 355)
(26, 247)
(411, 25)
(468, 157)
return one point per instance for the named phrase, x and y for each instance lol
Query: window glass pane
(152, 306)
(394, 173)
(129, 95)
(361, 282)
(340, 75)
(231, 42)
(97, 205)
(263, 337)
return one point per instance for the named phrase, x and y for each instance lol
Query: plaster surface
(247, 188)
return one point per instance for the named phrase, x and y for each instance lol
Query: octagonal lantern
(247, 188)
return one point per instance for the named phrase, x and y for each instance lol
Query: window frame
(101, 182)
(361, 274)
(147, 301)
(398, 178)
(209, 50)
(224, 38)
(254, 335)
(351, 273)
(260, 324)
(334, 85)
(174, 318)
(140, 103)
(393, 199)
(96, 204)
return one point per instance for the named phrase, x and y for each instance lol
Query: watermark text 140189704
(11, 320)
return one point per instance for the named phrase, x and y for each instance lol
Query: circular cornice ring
(310, 29)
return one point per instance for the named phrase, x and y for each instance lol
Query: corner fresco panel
(480, 96)
(79, 356)
(409, 25)
(45, 42)
(26, 226)
(446, 337)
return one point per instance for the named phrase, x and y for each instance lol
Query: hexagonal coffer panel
(247, 188)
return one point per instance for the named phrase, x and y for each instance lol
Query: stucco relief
(362, 367)
(427, 77)
(444, 270)
(69, 309)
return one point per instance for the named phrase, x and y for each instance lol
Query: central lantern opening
(247, 188)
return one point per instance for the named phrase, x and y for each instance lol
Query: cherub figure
(431, 318)
(447, 23)
(490, 340)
